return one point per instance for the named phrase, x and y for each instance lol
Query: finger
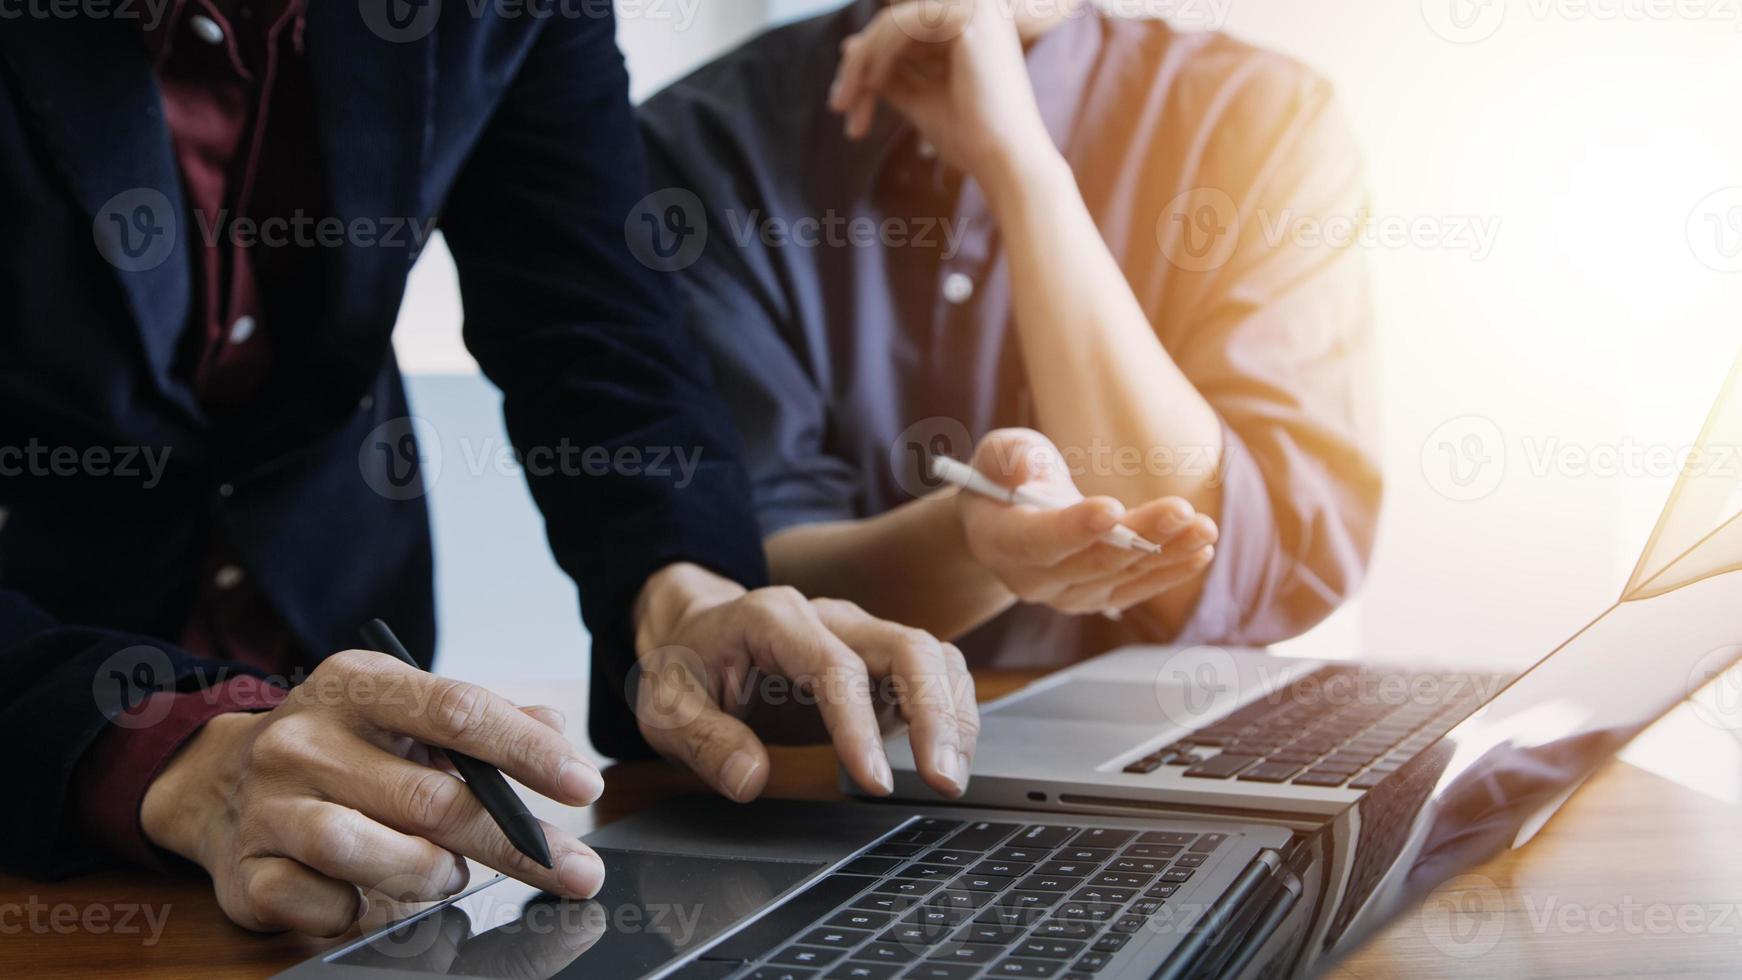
(547, 716)
(1098, 563)
(456, 715)
(282, 894)
(680, 717)
(439, 808)
(1171, 519)
(1045, 538)
(915, 662)
(967, 706)
(798, 646)
(1161, 581)
(345, 845)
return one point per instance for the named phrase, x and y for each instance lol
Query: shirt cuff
(110, 781)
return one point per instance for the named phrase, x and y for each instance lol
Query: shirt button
(365, 403)
(242, 329)
(206, 29)
(958, 288)
(926, 150)
(228, 577)
(226, 490)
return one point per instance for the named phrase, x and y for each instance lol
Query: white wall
(1603, 317)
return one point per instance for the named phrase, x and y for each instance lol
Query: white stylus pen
(956, 472)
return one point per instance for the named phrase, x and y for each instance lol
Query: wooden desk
(1637, 876)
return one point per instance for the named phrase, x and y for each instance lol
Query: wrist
(1022, 171)
(190, 797)
(674, 594)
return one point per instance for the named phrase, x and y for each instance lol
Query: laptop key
(1161, 891)
(1092, 962)
(1224, 766)
(894, 850)
(986, 934)
(938, 871)
(1095, 893)
(1070, 869)
(806, 956)
(1086, 911)
(1102, 837)
(1112, 942)
(953, 899)
(1014, 967)
(1089, 855)
(1019, 855)
(1193, 860)
(1271, 772)
(1049, 883)
(1136, 866)
(885, 903)
(1049, 949)
(966, 954)
(1209, 842)
(1065, 929)
(863, 971)
(942, 971)
(1148, 763)
(1043, 836)
(961, 859)
(981, 836)
(1014, 869)
(883, 952)
(1029, 900)
(1166, 837)
(1176, 876)
(871, 866)
(981, 883)
(908, 936)
(834, 938)
(860, 919)
(1163, 851)
(1319, 777)
(906, 886)
(936, 917)
(802, 911)
(1368, 779)
(1004, 917)
(1113, 879)
(778, 973)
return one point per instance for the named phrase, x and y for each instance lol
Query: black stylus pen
(499, 799)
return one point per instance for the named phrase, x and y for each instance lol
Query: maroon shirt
(225, 68)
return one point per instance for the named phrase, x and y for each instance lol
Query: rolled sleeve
(111, 779)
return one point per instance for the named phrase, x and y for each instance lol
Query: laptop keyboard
(1309, 736)
(951, 900)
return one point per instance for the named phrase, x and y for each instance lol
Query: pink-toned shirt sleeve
(110, 781)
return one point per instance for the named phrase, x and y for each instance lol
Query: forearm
(1130, 422)
(910, 565)
(1105, 389)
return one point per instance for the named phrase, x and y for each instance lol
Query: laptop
(1238, 732)
(778, 890)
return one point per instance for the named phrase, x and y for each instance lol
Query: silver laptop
(1206, 729)
(1241, 733)
(703, 888)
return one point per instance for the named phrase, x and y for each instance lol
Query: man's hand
(955, 69)
(295, 810)
(1057, 557)
(714, 657)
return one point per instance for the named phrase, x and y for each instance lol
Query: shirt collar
(1062, 59)
(159, 35)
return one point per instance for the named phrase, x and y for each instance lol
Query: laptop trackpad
(1091, 700)
(653, 908)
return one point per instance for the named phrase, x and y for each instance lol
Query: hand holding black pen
(300, 812)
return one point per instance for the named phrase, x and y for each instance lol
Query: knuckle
(432, 802)
(457, 708)
(334, 840)
(350, 662)
(282, 742)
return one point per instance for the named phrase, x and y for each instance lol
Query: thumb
(680, 718)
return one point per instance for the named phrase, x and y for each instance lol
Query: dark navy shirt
(856, 305)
